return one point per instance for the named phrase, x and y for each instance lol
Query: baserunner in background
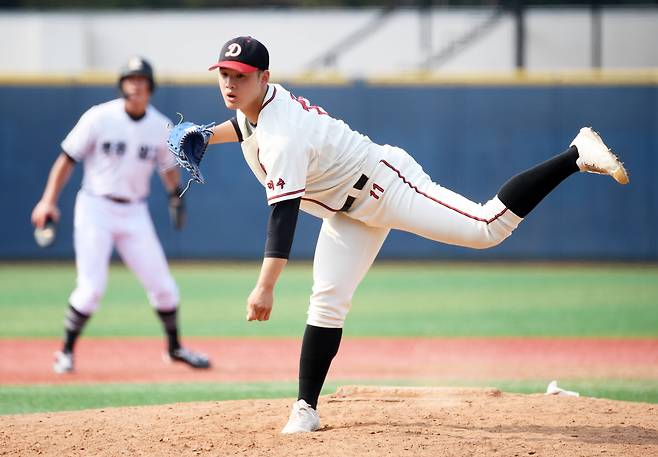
(120, 143)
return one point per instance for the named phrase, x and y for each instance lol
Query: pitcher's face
(242, 90)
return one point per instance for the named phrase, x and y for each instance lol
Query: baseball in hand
(45, 236)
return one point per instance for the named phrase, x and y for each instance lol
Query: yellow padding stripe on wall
(522, 78)
(640, 77)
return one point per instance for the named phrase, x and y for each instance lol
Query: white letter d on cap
(234, 49)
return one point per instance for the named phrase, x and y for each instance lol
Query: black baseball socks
(169, 323)
(524, 191)
(74, 322)
(319, 347)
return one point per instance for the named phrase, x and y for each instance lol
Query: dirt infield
(140, 360)
(355, 422)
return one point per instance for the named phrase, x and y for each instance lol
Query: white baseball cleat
(595, 157)
(63, 362)
(302, 419)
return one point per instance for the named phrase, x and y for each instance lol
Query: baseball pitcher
(306, 159)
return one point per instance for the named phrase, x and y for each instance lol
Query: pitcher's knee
(325, 316)
(328, 307)
(486, 242)
(495, 225)
(489, 234)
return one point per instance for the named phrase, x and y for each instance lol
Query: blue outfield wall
(468, 138)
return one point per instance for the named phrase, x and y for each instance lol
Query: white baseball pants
(398, 195)
(99, 225)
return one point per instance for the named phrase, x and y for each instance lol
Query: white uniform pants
(99, 225)
(398, 195)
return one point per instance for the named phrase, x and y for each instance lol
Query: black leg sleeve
(524, 191)
(319, 347)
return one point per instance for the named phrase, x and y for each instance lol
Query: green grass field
(41, 398)
(395, 299)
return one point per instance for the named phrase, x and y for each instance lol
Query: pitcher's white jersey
(298, 150)
(119, 153)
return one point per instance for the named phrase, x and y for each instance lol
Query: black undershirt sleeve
(281, 228)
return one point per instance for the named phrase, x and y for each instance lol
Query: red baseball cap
(244, 54)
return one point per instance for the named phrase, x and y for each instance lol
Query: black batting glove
(177, 213)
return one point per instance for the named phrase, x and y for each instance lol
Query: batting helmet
(137, 66)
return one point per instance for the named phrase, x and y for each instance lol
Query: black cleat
(193, 359)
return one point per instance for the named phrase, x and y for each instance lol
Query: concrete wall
(469, 138)
(185, 43)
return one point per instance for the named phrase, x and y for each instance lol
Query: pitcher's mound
(435, 393)
(356, 421)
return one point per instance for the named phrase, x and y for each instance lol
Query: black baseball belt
(358, 186)
(123, 201)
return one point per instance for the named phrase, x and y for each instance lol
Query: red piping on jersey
(286, 194)
(489, 221)
(271, 98)
(321, 204)
(264, 105)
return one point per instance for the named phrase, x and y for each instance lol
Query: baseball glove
(188, 142)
